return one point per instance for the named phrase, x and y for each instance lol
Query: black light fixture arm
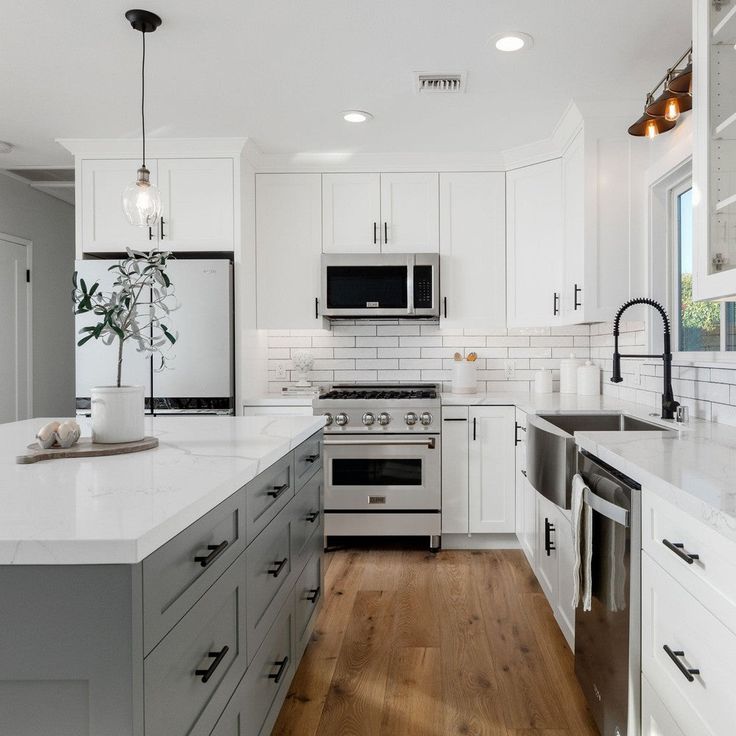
(669, 405)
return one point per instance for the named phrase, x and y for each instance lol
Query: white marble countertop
(119, 509)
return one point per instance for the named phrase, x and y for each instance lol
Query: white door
(492, 466)
(105, 228)
(573, 192)
(15, 400)
(288, 249)
(351, 213)
(410, 213)
(455, 470)
(564, 612)
(547, 549)
(534, 244)
(473, 249)
(197, 203)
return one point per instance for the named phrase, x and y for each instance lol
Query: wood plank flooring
(414, 644)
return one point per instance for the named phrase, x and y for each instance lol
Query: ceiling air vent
(428, 82)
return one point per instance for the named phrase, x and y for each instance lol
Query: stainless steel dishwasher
(608, 637)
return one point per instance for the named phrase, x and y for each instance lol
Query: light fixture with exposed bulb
(356, 116)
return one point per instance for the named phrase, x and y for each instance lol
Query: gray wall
(49, 224)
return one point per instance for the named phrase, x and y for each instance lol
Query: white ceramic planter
(117, 414)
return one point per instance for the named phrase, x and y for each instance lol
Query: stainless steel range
(382, 460)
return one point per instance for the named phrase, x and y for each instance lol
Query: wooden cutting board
(84, 448)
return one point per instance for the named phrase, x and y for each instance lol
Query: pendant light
(670, 104)
(648, 125)
(682, 82)
(141, 199)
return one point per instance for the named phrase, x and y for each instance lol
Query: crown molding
(155, 147)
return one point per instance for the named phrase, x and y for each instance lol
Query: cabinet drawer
(701, 703)
(265, 683)
(656, 720)
(308, 459)
(177, 700)
(307, 599)
(176, 575)
(711, 577)
(267, 494)
(269, 564)
(306, 519)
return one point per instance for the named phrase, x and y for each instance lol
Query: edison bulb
(672, 109)
(651, 129)
(142, 201)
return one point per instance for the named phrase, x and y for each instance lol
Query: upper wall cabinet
(288, 248)
(473, 249)
(714, 150)
(197, 203)
(374, 213)
(534, 238)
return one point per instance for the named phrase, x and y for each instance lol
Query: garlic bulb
(67, 433)
(46, 436)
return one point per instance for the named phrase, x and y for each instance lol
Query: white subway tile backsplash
(400, 352)
(386, 364)
(354, 330)
(380, 342)
(355, 352)
(398, 330)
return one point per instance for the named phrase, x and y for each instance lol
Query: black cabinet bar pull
(163, 234)
(687, 672)
(316, 307)
(548, 543)
(280, 565)
(679, 549)
(444, 302)
(277, 490)
(375, 233)
(556, 304)
(219, 656)
(454, 419)
(150, 233)
(385, 232)
(576, 303)
(215, 551)
(281, 664)
(311, 458)
(523, 472)
(312, 516)
(313, 594)
(475, 428)
(517, 427)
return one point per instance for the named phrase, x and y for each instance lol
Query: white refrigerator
(199, 373)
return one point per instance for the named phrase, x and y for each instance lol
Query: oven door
(386, 473)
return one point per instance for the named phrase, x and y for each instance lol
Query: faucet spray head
(616, 377)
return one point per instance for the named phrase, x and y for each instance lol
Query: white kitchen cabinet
(375, 213)
(288, 247)
(656, 720)
(547, 548)
(491, 469)
(573, 242)
(197, 203)
(526, 496)
(714, 150)
(455, 497)
(534, 238)
(473, 249)
(104, 227)
(410, 213)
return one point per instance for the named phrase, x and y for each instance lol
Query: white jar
(464, 377)
(569, 375)
(117, 414)
(589, 380)
(543, 382)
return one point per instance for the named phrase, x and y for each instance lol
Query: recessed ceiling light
(356, 116)
(513, 41)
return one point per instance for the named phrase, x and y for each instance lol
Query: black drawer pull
(280, 565)
(277, 491)
(313, 594)
(454, 419)
(687, 672)
(523, 472)
(312, 516)
(311, 458)
(215, 551)
(282, 664)
(219, 656)
(163, 234)
(679, 549)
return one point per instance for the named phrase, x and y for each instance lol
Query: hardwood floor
(414, 644)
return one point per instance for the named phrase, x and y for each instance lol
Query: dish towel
(582, 541)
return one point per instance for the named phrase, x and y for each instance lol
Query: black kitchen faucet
(669, 405)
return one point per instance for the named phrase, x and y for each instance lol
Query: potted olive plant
(136, 308)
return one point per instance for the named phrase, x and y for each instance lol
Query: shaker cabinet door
(351, 213)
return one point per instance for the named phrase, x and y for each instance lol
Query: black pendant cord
(143, 97)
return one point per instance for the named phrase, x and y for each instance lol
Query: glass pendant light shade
(142, 201)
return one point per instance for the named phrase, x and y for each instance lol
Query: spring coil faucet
(669, 405)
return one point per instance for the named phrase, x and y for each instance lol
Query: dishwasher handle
(606, 508)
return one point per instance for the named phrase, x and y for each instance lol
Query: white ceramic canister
(569, 374)
(543, 382)
(117, 414)
(464, 377)
(589, 380)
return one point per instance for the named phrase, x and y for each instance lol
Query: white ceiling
(280, 71)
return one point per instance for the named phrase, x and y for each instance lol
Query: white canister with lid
(569, 374)
(543, 382)
(589, 380)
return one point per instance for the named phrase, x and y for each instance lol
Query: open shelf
(727, 129)
(726, 203)
(725, 30)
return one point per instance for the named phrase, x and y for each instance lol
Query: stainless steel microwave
(358, 285)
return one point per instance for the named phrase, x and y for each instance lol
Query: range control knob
(410, 418)
(384, 418)
(425, 419)
(368, 419)
(341, 419)
(328, 419)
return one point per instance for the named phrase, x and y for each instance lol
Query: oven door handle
(429, 442)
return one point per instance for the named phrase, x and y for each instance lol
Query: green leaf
(84, 340)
